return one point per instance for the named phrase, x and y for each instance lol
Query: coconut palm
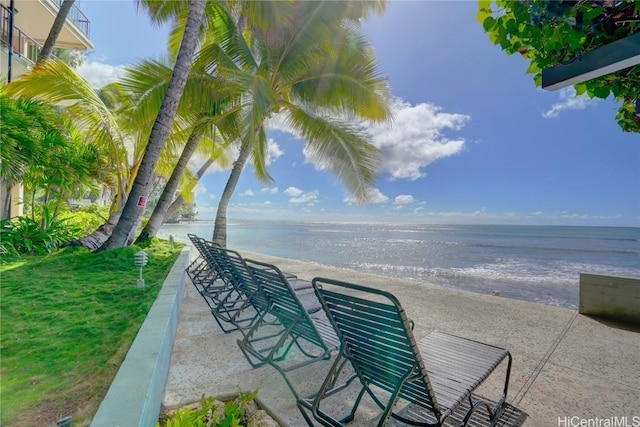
(307, 62)
(202, 112)
(120, 115)
(56, 29)
(132, 213)
(167, 196)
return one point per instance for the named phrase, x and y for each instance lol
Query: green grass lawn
(67, 320)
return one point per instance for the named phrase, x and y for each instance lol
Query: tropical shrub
(87, 218)
(212, 413)
(24, 235)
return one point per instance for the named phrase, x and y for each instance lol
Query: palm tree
(132, 213)
(56, 28)
(117, 116)
(202, 112)
(308, 62)
(167, 196)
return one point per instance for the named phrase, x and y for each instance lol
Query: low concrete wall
(612, 297)
(135, 396)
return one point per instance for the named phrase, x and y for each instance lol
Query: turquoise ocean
(534, 263)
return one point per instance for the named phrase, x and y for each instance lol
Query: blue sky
(473, 140)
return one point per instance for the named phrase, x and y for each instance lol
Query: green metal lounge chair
(212, 284)
(199, 270)
(313, 337)
(252, 305)
(437, 373)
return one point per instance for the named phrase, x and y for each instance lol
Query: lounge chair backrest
(284, 302)
(242, 278)
(198, 243)
(377, 338)
(208, 251)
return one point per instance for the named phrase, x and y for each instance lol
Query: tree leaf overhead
(552, 33)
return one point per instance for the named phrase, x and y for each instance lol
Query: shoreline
(540, 265)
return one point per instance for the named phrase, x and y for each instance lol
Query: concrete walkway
(567, 367)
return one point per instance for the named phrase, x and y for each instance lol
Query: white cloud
(374, 196)
(404, 199)
(199, 189)
(293, 192)
(269, 190)
(248, 192)
(298, 196)
(569, 101)
(415, 139)
(99, 74)
(309, 197)
(273, 151)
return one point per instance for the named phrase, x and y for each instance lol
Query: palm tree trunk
(56, 29)
(6, 209)
(178, 202)
(96, 239)
(220, 225)
(158, 214)
(33, 204)
(132, 212)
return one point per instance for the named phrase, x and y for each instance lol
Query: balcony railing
(23, 45)
(78, 18)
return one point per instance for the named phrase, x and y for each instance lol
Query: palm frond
(267, 17)
(341, 148)
(55, 82)
(146, 83)
(259, 153)
(347, 80)
(161, 11)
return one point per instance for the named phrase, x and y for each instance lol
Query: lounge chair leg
(474, 406)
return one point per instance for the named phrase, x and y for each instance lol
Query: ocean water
(533, 263)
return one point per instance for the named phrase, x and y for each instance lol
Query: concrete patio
(566, 367)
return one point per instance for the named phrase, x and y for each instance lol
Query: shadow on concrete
(512, 416)
(616, 324)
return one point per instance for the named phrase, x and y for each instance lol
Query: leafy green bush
(213, 413)
(86, 222)
(23, 235)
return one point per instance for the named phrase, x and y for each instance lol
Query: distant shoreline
(231, 222)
